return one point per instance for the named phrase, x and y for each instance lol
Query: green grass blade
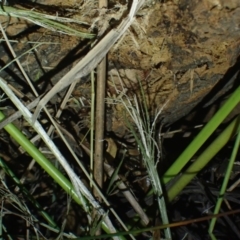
(28, 195)
(204, 158)
(114, 175)
(210, 127)
(41, 160)
(225, 181)
(47, 166)
(147, 145)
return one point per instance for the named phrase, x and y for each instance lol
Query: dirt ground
(184, 53)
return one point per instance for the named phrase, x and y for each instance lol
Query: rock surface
(181, 51)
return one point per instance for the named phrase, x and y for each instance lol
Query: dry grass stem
(92, 59)
(128, 195)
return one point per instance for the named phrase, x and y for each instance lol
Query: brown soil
(179, 50)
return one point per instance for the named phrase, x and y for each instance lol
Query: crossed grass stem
(139, 114)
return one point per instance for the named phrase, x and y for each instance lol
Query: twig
(100, 117)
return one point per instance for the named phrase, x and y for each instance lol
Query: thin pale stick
(18, 114)
(51, 128)
(92, 130)
(92, 59)
(104, 198)
(106, 218)
(128, 195)
(16, 91)
(78, 185)
(62, 106)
